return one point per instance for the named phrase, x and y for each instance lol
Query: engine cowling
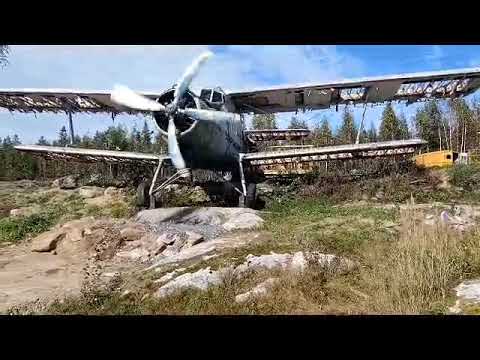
(182, 122)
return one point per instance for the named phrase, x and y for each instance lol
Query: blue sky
(156, 68)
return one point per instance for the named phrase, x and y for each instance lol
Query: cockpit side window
(205, 94)
(217, 97)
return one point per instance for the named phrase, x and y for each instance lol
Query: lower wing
(91, 155)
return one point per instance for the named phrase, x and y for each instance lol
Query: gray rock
(189, 254)
(204, 278)
(66, 182)
(201, 280)
(132, 232)
(139, 253)
(111, 274)
(88, 192)
(244, 221)
(111, 191)
(167, 238)
(25, 211)
(296, 262)
(271, 261)
(468, 293)
(167, 277)
(223, 219)
(261, 289)
(193, 239)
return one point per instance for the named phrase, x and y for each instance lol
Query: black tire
(250, 200)
(143, 198)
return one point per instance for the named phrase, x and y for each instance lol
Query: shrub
(466, 176)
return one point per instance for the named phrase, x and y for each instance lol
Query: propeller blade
(124, 96)
(173, 148)
(188, 76)
(209, 115)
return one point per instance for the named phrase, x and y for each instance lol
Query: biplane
(208, 131)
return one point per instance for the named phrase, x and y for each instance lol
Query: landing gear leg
(249, 190)
(250, 200)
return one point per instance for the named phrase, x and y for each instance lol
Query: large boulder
(47, 241)
(225, 218)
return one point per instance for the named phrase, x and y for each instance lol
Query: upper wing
(62, 100)
(405, 87)
(91, 155)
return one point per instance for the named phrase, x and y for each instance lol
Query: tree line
(16, 165)
(444, 124)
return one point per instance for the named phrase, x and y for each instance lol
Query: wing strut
(70, 124)
(361, 123)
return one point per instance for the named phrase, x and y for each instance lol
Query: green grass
(120, 210)
(16, 229)
(320, 226)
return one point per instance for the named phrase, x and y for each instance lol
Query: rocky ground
(90, 250)
(79, 239)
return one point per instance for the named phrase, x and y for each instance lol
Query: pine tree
(322, 134)
(42, 141)
(372, 133)
(296, 123)
(62, 137)
(16, 140)
(347, 133)
(4, 50)
(116, 138)
(390, 128)
(404, 130)
(159, 145)
(429, 125)
(135, 139)
(264, 121)
(146, 138)
(7, 143)
(465, 121)
(87, 142)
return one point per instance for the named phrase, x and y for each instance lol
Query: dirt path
(26, 276)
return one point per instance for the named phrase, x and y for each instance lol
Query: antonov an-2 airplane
(207, 131)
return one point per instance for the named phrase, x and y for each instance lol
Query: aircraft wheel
(143, 198)
(250, 200)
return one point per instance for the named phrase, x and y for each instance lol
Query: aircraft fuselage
(206, 144)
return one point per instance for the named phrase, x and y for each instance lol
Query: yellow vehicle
(436, 159)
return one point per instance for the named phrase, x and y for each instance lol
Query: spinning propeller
(126, 97)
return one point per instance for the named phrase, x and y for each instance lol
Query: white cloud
(155, 68)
